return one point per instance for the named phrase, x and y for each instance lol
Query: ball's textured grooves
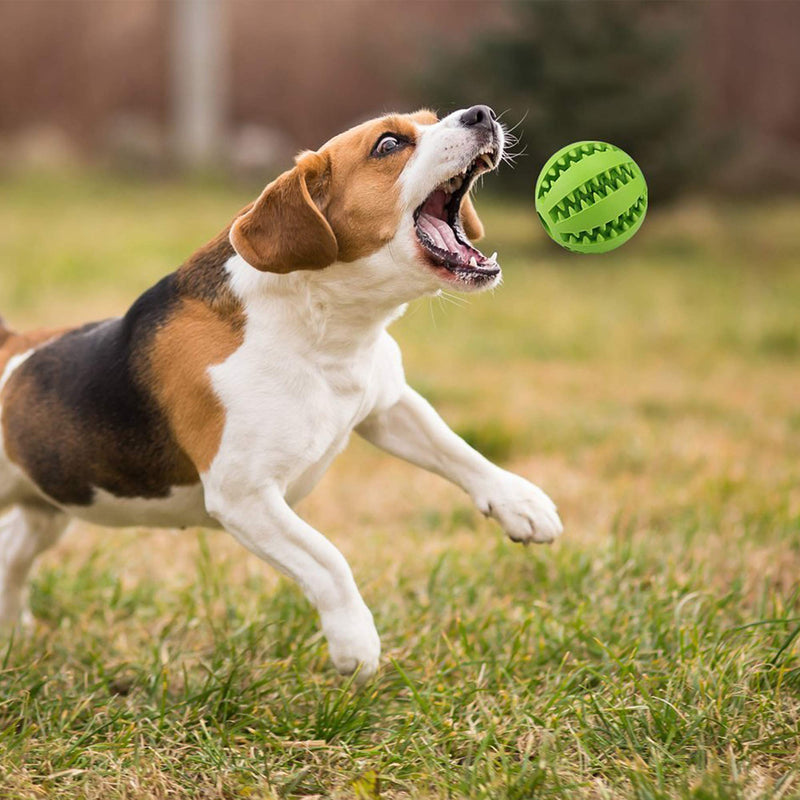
(591, 197)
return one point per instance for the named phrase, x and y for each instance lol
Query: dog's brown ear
(284, 230)
(470, 220)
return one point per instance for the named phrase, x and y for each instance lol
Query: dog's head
(391, 194)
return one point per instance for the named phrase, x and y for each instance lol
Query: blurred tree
(614, 71)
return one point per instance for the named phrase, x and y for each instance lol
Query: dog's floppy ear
(470, 220)
(284, 230)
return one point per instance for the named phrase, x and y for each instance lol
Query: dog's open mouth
(438, 225)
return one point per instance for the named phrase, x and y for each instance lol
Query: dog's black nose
(478, 116)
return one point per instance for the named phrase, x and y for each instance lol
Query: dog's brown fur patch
(362, 199)
(194, 338)
(204, 329)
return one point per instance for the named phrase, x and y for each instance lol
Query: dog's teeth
(493, 257)
(473, 262)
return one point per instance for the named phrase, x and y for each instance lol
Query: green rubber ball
(591, 197)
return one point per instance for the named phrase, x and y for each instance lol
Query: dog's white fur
(316, 363)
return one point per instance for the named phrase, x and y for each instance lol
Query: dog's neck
(342, 308)
(331, 309)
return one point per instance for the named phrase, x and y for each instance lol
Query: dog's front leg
(412, 430)
(264, 523)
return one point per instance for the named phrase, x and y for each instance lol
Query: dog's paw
(353, 643)
(523, 510)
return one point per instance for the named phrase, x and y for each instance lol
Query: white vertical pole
(198, 80)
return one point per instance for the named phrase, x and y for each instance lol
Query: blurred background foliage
(703, 94)
(610, 71)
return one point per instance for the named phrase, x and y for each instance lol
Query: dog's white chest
(288, 414)
(332, 415)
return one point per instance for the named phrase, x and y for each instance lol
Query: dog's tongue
(432, 221)
(441, 234)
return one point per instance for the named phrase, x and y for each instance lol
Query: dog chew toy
(591, 197)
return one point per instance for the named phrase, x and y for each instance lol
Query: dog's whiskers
(433, 316)
(455, 299)
(511, 158)
(514, 127)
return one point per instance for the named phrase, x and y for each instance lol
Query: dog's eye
(388, 143)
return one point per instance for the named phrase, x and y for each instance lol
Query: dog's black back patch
(78, 413)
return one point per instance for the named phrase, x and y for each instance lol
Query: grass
(652, 653)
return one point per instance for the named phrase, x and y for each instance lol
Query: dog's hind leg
(26, 531)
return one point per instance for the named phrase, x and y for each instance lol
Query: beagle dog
(223, 394)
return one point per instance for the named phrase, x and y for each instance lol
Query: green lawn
(654, 652)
